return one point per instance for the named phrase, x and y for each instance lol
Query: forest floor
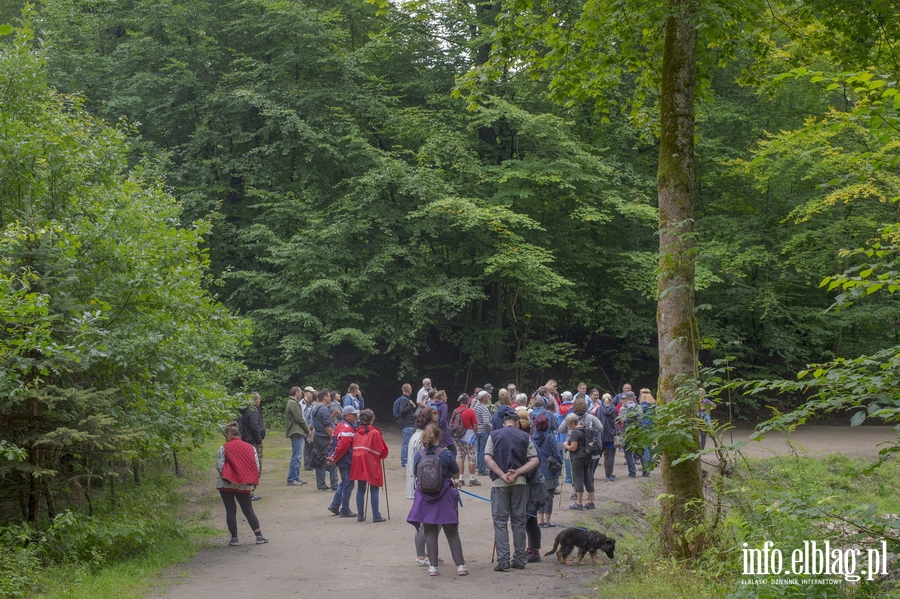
(311, 551)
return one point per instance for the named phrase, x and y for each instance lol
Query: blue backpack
(397, 405)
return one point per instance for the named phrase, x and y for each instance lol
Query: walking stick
(387, 499)
(366, 503)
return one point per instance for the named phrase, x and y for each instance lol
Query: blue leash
(488, 500)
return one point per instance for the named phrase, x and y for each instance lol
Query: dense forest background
(375, 228)
(335, 183)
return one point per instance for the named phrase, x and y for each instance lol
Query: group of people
(524, 444)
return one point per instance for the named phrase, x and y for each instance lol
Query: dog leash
(533, 515)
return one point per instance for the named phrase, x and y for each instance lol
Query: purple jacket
(443, 422)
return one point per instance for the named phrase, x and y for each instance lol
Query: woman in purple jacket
(439, 510)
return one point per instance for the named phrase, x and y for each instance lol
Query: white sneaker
(462, 570)
(432, 571)
(423, 562)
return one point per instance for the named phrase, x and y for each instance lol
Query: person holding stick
(436, 504)
(369, 451)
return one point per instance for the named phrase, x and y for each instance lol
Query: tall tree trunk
(676, 323)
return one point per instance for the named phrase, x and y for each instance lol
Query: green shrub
(17, 569)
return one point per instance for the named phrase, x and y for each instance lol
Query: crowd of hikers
(529, 446)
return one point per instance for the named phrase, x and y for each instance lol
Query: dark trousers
(342, 493)
(533, 531)
(228, 498)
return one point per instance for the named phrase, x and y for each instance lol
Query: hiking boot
(378, 519)
(347, 515)
(294, 483)
(533, 555)
(647, 474)
(334, 510)
(474, 483)
(590, 506)
(261, 539)
(577, 507)
(501, 567)
(360, 518)
(519, 566)
(234, 541)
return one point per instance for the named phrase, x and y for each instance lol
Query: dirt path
(312, 551)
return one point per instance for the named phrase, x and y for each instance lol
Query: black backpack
(592, 445)
(430, 473)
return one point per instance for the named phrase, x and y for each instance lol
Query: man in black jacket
(253, 429)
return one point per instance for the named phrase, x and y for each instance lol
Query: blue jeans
(361, 498)
(407, 434)
(344, 489)
(482, 443)
(297, 443)
(629, 460)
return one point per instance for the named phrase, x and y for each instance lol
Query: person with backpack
(436, 502)
(424, 417)
(648, 406)
(551, 464)
(463, 423)
(606, 413)
(630, 414)
(405, 413)
(581, 463)
(590, 448)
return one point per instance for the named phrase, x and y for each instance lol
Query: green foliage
(111, 347)
(18, 568)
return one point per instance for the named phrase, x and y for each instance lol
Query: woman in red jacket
(238, 466)
(369, 449)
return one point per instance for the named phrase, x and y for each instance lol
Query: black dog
(587, 541)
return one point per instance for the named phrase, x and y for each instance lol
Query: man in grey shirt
(321, 423)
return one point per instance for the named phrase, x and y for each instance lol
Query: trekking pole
(387, 499)
(493, 549)
(366, 502)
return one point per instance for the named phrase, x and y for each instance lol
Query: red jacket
(240, 465)
(344, 433)
(369, 449)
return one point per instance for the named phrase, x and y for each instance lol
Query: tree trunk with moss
(677, 326)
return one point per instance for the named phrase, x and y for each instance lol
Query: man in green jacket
(297, 430)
